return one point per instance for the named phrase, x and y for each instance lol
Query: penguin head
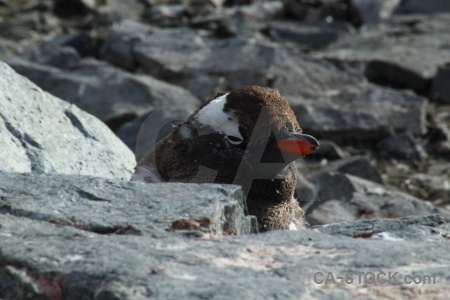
(258, 120)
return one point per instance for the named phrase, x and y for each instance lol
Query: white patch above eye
(213, 115)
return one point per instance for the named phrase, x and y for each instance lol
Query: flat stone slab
(40, 260)
(105, 206)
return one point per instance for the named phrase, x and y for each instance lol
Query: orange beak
(297, 143)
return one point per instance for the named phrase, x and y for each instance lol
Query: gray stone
(373, 11)
(382, 225)
(357, 166)
(440, 90)
(328, 150)
(306, 191)
(40, 133)
(421, 7)
(105, 206)
(360, 198)
(312, 35)
(406, 52)
(105, 91)
(401, 146)
(344, 115)
(44, 260)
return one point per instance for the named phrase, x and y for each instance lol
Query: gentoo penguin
(248, 136)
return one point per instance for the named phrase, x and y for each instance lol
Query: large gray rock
(105, 206)
(75, 237)
(39, 133)
(104, 91)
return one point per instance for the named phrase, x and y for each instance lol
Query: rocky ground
(369, 78)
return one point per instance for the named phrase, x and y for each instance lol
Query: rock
(312, 35)
(405, 53)
(167, 15)
(111, 9)
(420, 7)
(401, 146)
(329, 10)
(86, 44)
(384, 226)
(142, 134)
(118, 46)
(343, 116)
(40, 133)
(328, 150)
(442, 149)
(75, 263)
(373, 11)
(97, 204)
(328, 102)
(360, 198)
(105, 91)
(440, 91)
(357, 166)
(52, 55)
(306, 191)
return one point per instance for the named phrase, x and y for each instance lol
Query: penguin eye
(234, 140)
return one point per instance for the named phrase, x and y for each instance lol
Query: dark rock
(440, 91)
(328, 10)
(306, 191)
(357, 166)
(84, 43)
(53, 55)
(344, 116)
(167, 15)
(105, 91)
(42, 134)
(421, 7)
(118, 46)
(312, 35)
(328, 150)
(373, 11)
(442, 149)
(97, 204)
(111, 10)
(393, 74)
(401, 146)
(405, 53)
(65, 9)
(360, 198)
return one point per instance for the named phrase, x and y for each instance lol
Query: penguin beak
(297, 143)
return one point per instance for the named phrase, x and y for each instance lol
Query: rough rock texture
(48, 253)
(358, 198)
(104, 206)
(42, 134)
